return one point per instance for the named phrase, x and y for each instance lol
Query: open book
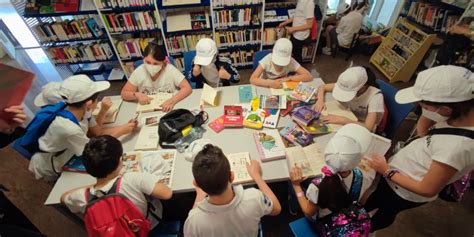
(238, 165)
(112, 113)
(310, 159)
(155, 104)
(208, 95)
(333, 107)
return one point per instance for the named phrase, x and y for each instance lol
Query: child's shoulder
(64, 126)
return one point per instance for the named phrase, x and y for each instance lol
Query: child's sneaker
(327, 51)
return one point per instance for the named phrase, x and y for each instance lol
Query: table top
(231, 140)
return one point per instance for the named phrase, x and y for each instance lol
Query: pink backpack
(114, 215)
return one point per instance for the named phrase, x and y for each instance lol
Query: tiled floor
(438, 218)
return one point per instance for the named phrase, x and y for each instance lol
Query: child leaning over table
(226, 209)
(102, 159)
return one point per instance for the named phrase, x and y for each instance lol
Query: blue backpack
(40, 124)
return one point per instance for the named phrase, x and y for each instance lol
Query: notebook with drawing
(238, 165)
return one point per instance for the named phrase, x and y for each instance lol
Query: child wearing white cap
(419, 171)
(343, 154)
(355, 88)
(64, 138)
(210, 68)
(156, 74)
(274, 68)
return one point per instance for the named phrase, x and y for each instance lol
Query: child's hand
(143, 99)
(276, 84)
(296, 175)
(334, 119)
(106, 104)
(167, 105)
(253, 168)
(129, 127)
(18, 118)
(319, 106)
(290, 30)
(378, 163)
(223, 74)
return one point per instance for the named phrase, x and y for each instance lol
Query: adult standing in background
(301, 28)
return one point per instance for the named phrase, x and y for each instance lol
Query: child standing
(275, 68)
(227, 210)
(210, 68)
(102, 159)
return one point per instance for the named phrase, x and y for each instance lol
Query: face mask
(153, 69)
(433, 115)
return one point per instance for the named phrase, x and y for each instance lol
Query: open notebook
(310, 159)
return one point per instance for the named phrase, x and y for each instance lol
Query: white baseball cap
(78, 88)
(349, 83)
(206, 50)
(49, 95)
(345, 150)
(281, 54)
(444, 84)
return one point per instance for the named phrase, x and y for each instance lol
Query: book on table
(317, 127)
(238, 165)
(217, 125)
(310, 159)
(303, 92)
(245, 94)
(208, 95)
(296, 135)
(333, 107)
(269, 145)
(304, 115)
(75, 164)
(112, 113)
(155, 104)
(272, 102)
(271, 118)
(147, 138)
(14, 86)
(233, 116)
(254, 119)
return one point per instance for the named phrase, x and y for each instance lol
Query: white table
(229, 140)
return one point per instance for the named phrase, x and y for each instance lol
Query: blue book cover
(75, 165)
(245, 94)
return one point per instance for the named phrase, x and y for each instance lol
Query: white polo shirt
(269, 71)
(368, 176)
(240, 217)
(169, 80)
(371, 101)
(135, 186)
(62, 134)
(348, 26)
(304, 11)
(415, 159)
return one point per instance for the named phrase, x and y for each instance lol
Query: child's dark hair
(155, 50)
(459, 109)
(332, 194)
(371, 80)
(102, 155)
(79, 104)
(211, 170)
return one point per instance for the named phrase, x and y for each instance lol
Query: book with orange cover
(14, 85)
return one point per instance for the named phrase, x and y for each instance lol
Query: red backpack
(114, 215)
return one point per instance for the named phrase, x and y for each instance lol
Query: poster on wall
(167, 3)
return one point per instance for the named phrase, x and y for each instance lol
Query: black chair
(348, 50)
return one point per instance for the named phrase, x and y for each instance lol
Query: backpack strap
(356, 186)
(89, 197)
(66, 114)
(452, 131)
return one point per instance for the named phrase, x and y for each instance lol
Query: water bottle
(183, 142)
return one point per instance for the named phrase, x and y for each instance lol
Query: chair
(188, 63)
(258, 56)
(302, 228)
(348, 50)
(396, 112)
(166, 229)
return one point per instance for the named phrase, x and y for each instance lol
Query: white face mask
(433, 115)
(153, 69)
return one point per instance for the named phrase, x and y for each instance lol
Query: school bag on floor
(348, 222)
(114, 215)
(40, 124)
(172, 123)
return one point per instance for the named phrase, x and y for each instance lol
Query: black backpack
(170, 126)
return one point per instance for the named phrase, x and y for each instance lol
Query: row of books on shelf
(102, 4)
(238, 37)
(271, 35)
(225, 3)
(68, 30)
(239, 58)
(179, 63)
(132, 47)
(81, 53)
(405, 40)
(131, 21)
(412, 32)
(236, 17)
(386, 59)
(431, 15)
(182, 21)
(184, 43)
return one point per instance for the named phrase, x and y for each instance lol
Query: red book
(14, 85)
(233, 117)
(217, 125)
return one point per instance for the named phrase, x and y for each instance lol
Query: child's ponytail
(332, 193)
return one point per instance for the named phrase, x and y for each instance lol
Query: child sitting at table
(102, 159)
(355, 88)
(210, 68)
(223, 209)
(67, 135)
(343, 154)
(156, 74)
(275, 68)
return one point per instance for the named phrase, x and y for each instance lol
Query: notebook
(147, 138)
(155, 104)
(310, 159)
(269, 145)
(238, 165)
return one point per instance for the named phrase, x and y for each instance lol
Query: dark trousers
(298, 48)
(389, 204)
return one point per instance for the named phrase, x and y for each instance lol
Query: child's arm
(184, 90)
(116, 132)
(308, 208)
(254, 171)
(129, 93)
(320, 103)
(370, 120)
(256, 80)
(105, 106)
(283, 24)
(161, 191)
(301, 75)
(67, 193)
(229, 72)
(307, 26)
